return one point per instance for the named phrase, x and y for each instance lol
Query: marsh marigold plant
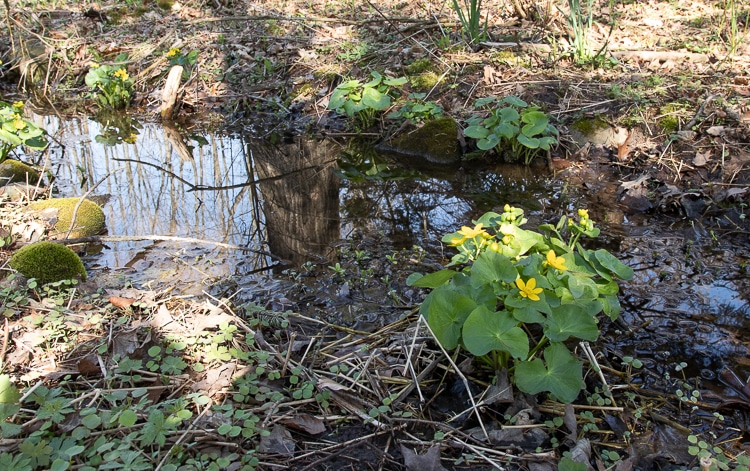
(504, 278)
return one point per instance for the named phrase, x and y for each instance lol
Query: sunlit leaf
(375, 100)
(488, 143)
(486, 330)
(476, 132)
(446, 312)
(562, 375)
(611, 263)
(491, 267)
(568, 321)
(432, 280)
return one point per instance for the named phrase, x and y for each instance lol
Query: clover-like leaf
(486, 330)
(568, 320)
(562, 375)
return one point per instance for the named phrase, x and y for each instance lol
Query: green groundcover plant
(15, 130)
(363, 101)
(516, 130)
(520, 295)
(111, 86)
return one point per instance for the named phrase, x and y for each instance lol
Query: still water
(292, 201)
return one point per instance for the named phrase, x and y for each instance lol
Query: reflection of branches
(190, 240)
(194, 187)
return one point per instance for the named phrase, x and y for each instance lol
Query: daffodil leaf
(611, 263)
(567, 321)
(446, 311)
(562, 375)
(491, 267)
(432, 280)
(486, 330)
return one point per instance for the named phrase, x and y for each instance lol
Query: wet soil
(671, 197)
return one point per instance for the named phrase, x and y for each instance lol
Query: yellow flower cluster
(121, 74)
(173, 52)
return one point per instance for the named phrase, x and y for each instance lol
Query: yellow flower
(19, 124)
(470, 233)
(583, 213)
(173, 52)
(121, 74)
(495, 247)
(555, 261)
(529, 289)
(94, 65)
(18, 105)
(456, 241)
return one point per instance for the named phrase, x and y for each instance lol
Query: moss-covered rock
(89, 218)
(12, 171)
(436, 141)
(48, 262)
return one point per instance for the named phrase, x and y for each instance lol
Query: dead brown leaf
(307, 423)
(122, 303)
(430, 461)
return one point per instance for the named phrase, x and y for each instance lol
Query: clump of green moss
(424, 81)
(15, 171)
(418, 66)
(587, 126)
(89, 218)
(48, 262)
(436, 141)
(669, 117)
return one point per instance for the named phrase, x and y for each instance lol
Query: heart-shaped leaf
(562, 376)
(446, 311)
(568, 320)
(375, 100)
(491, 267)
(486, 330)
(476, 132)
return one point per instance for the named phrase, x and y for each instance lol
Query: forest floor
(136, 379)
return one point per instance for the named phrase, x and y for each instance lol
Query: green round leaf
(530, 142)
(476, 132)
(562, 376)
(485, 331)
(446, 312)
(127, 418)
(568, 321)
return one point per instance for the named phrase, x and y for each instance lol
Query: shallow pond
(294, 201)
